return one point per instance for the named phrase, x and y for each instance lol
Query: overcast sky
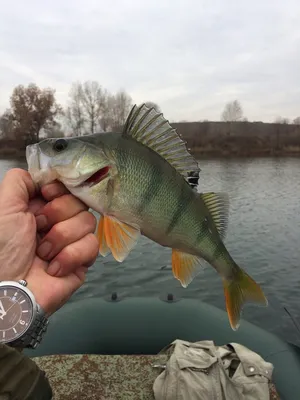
(190, 56)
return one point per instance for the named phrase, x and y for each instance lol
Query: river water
(263, 237)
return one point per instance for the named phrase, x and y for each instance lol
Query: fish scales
(158, 198)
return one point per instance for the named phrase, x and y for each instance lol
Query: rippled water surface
(263, 237)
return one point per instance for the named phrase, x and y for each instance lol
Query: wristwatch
(22, 321)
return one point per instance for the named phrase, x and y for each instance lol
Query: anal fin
(120, 237)
(103, 248)
(185, 266)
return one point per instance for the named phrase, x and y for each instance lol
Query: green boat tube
(123, 327)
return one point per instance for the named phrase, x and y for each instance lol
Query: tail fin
(240, 290)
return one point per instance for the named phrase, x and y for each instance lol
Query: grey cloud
(190, 57)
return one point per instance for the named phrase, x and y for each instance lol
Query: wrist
(22, 321)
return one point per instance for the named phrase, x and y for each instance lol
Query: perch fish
(138, 181)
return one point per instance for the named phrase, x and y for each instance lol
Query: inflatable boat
(143, 326)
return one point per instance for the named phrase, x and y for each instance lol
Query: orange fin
(185, 266)
(120, 237)
(103, 248)
(240, 290)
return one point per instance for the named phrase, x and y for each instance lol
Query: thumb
(16, 189)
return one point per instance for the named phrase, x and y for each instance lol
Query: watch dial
(16, 312)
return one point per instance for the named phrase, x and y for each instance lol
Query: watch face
(16, 312)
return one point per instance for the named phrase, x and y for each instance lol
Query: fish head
(75, 162)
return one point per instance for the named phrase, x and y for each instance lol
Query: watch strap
(33, 336)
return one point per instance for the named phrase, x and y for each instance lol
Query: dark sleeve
(21, 378)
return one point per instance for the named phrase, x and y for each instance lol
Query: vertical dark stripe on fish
(203, 231)
(123, 155)
(219, 251)
(207, 233)
(183, 202)
(153, 188)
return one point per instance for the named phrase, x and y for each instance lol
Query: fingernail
(53, 268)
(44, 249)
(41, 222)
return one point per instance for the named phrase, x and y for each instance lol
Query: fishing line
(293, 319)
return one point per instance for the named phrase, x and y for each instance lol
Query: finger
(66, 286)
(16, 189)
(53, 190)
(81, 253)
(61, 209)
(50, 292)
(81, 273)
(66, 232)
(35, 205)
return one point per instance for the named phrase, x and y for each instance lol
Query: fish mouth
(96, 177)
(32, 158)
(39, 173)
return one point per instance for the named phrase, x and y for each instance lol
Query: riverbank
(202, 153)
(218, 139)
(240, 139)
(12, 153)
(198, 152)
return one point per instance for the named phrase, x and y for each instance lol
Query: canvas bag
(203, 371)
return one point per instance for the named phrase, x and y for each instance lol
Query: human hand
(47, 240)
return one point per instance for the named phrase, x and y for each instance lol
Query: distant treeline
(34, 114)
(243, 139)
(220, 139)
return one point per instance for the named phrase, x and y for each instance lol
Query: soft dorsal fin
(149, 127)
(218, 206)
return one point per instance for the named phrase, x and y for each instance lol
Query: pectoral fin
(120, 237)
(103, 248)
(185, 266)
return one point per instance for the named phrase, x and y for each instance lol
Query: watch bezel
(14, 284)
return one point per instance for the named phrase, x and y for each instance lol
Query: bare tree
(54, 131)
(106, 120)
(232, 112)
(151, 104)
(122, 105)
(7, 125)
(117, 110)
(282, 120)
(75, 111)
(86, 106)
(92, 108)
(296, 121)
(93, 100)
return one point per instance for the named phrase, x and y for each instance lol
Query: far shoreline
(16, 154)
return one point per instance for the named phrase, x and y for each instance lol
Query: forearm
(20, 377)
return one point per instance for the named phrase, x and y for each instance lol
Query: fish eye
(60, 145)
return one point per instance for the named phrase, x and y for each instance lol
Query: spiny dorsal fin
(218, 206)
(149, 127)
